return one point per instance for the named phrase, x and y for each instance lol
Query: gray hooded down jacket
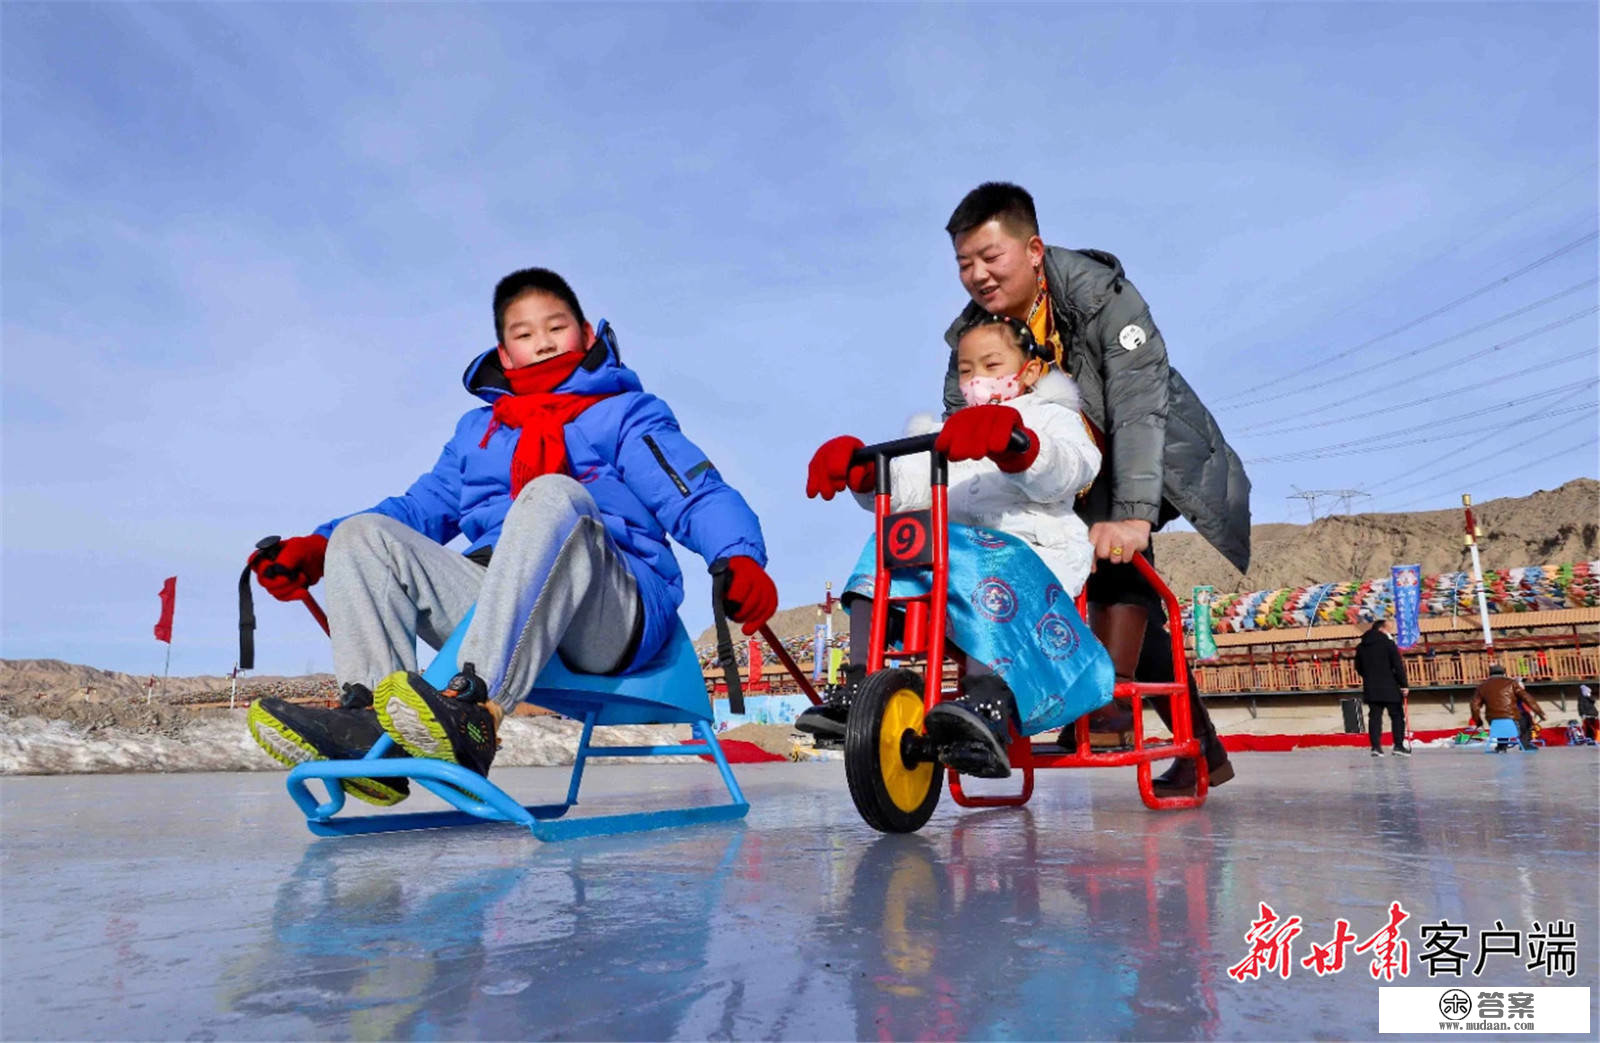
(1166, 455)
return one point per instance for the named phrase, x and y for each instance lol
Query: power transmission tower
(1344, 497)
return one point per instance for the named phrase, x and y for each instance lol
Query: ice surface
(197, 906)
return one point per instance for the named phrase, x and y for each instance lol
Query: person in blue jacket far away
(566, 486)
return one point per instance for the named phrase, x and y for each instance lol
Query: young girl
(1018, 553)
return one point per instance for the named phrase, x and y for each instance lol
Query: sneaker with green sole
(293, 734)
(454, 725)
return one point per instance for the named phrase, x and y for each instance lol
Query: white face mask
(983, 391)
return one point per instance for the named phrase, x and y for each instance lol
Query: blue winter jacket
(647, 478)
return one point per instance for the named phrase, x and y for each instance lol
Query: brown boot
(1179, 779)
(1121, 628)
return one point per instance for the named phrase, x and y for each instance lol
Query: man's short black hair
(531, 280)
(1010, 204)
(1497, 670)
(1378, 624)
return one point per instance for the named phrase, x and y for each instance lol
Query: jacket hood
(601, 372)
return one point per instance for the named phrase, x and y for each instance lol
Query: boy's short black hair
(1010, 204)
(531, 280)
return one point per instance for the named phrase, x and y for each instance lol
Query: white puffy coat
(1035, 505)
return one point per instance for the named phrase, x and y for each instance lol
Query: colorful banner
(1532, 588)
(818, 640)
(1406, 581)
(755, 661)
(1205, 645)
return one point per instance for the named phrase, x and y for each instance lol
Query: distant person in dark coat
(1383, 683)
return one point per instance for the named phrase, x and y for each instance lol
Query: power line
(1482, 228)
(1360, 447)
(1441, 342)
(1507, 426)
(1586, 353)
(1337, 448)
(1480, 479)
(1549, 327)
(1435, 313)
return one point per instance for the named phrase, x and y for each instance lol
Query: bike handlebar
(914, 444)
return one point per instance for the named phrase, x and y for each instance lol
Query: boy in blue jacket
(566, 485)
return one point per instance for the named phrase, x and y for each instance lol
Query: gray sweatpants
(556, 582)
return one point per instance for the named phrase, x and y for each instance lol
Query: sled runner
(670, 689)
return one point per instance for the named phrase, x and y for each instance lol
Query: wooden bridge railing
(1451, 669)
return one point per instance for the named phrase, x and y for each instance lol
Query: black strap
(247, 620)
(725, 653)
(266, 547)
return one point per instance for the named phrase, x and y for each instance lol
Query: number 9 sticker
(905, 539)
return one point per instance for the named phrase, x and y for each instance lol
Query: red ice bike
(894, 775)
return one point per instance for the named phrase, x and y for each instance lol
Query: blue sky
(247, 250)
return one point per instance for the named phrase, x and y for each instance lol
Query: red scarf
(542, 413)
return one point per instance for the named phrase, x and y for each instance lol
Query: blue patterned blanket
(1008, 611)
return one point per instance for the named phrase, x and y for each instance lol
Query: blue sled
(670, 689)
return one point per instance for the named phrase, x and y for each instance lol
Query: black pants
(1397, 724)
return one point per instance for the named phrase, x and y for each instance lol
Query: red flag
(755, 661)
(169, 596)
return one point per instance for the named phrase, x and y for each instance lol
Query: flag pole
(165, 671)
(234, 694)
(1472, 534)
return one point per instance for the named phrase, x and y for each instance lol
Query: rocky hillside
(1548, 527)
(30, 677)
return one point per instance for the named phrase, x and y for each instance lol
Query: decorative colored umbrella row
(1529, 589)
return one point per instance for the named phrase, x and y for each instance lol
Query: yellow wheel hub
(907, 787)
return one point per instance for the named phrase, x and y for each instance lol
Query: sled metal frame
(594, 699)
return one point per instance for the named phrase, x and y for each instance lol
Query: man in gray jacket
(1164, 454)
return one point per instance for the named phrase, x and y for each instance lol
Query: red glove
(752, 596)
(294, 569)
(831, 472)
(985, 431)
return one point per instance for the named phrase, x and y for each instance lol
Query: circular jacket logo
(1056, 637)
(995, 600)
(1455, 1004)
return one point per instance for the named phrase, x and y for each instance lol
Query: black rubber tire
(863, 757)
